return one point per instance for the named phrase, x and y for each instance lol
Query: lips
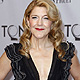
(39, 29)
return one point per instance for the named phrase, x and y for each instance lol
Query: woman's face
(39, 23)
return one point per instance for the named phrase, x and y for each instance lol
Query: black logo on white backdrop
(1, 1)
(13, 31)
(62, 1)
(75, 30)
(16, 31)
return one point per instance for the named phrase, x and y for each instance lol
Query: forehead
(39, 11)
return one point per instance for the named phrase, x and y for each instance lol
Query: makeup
(39, 29)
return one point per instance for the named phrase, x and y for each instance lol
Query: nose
(40, 22)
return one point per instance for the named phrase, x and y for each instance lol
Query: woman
(41, 54)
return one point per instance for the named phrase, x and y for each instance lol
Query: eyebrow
(37, 15)
(34, 15)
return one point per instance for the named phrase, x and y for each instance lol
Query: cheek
(32, 23)
(48, 24)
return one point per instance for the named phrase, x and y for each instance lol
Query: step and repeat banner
(11, 16)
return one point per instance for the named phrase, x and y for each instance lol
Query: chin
(40, 36)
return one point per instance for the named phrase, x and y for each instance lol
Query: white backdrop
(11, 15)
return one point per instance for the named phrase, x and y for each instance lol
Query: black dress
(24, 68)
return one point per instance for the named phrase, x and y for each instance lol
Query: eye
(46, 18)
(34, 17)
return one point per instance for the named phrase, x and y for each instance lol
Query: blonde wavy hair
(56, 35)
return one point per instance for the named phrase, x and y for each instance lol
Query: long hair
(55, 35)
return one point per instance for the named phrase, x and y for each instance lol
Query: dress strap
(69, 54)
(13, 54)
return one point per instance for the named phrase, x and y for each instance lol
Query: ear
(28, 23)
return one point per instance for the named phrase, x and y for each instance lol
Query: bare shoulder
(5, 66)
(75, 67)
(4, 58)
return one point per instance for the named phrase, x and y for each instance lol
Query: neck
(40, 43)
